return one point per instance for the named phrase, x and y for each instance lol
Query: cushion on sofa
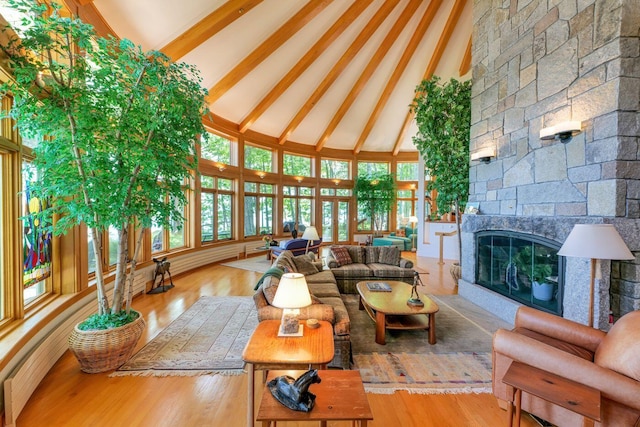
(324, 276)
(371, 254)
(578, 351)
(342, 324)
(305, 265)
(356, 253)
(270, 287)
(285, 262)
(389, 255)
(619, 350)
(352, 270)
(323, 290)
(400, 232)
(391, 272)
(341, 255)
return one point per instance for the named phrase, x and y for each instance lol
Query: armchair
(297, 246)
(608, 362)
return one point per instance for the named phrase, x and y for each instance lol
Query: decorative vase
(542, 291)
(456, 272)
(106, 349)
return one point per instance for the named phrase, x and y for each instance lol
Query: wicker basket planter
(105, 350)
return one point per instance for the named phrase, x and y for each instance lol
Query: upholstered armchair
(609, 362)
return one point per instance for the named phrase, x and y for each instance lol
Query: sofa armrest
(559, 328)
(331, 261)
(613, 386)
(314, 311)
(406, 263)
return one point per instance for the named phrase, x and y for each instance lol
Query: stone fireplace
(537, 64)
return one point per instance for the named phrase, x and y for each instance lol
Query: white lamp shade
(413, 219)
(292, 292)
(595, 241)
(310, 233)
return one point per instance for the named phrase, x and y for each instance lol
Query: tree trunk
(121, 269)
(103, 301)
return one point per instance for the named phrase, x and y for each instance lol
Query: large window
(334, 169)
(217, 148)
(296, 165)
(406, 207)
(173, 237)
(372, 168)
(259, 200)
(216, 209)
(259, 159)
(407, 171)
(297, 206)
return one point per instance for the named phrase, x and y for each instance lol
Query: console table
(266, 350)
(560, 391)
(340, 396)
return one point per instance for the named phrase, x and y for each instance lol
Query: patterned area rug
(208, 338)
(460, 361)
(257, 264)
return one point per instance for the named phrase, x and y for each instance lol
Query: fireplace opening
(523, 267)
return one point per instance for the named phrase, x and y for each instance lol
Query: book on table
(378, 287)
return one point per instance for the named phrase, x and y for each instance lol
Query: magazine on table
(378, 286)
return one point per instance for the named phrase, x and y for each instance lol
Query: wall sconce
(563, 131)
(484, 155)
(220, 166)
(262, 175)
(336, 181)
(299, 179)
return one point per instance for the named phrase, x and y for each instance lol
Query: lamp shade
(310, 233)
(413, 219)
(595, 241)
(292, 292)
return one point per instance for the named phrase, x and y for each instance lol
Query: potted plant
(376, 196)
(116, 130)
(443, 116)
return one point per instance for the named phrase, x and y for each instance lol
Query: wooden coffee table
(266, 351)
(390, 309)
(340, 396)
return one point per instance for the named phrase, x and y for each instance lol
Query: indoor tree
(376, 196)
(116, 130)
(443, 116)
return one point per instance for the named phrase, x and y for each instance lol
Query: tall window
(216, 209)
(406, 206)
(173, 237)
(297, 206)
(372, 168)
(259, 159)
(259, 200)
(296, 165)
(217, 148)
(36, 240)
(334, 169)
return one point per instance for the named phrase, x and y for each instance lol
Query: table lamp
(595, 241)
(413, 220)
(291, 295)
(310, 233)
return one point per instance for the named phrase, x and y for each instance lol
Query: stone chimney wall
(537, 63)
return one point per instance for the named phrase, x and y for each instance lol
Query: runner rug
(459, 362)
(208, 338)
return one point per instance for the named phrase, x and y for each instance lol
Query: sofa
(296, 246)
(327, 303)
(608, 362)
(351, 264)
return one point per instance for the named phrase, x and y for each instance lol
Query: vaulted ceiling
(334, 74)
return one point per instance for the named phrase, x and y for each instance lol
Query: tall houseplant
(443, 116)
(376, 196)
(116, 130)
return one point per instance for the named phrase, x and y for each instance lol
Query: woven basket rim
(106, 331)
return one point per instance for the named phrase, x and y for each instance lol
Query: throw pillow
(269, 288)
(304, 265)
(619, 350)
(356, 254)
(389, 255)
(400, 232)
(341, 254)
(371, 254)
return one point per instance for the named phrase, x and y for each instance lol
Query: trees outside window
(259, 159)
(368, 169)
(376, 196)
(296, 165)
(216, 209)
(334, 169)
(297, 208)
(259, 200)
(407, 171)
(405, 207)
(217, 148)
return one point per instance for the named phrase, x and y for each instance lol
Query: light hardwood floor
(68, 397)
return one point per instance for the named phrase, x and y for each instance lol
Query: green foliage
(116, 130)
(443, 116)
(376, 196)
(98, 322)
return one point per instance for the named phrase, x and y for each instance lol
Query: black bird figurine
(293, 393)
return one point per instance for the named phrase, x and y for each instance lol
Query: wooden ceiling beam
(347, 18)
(465, 65)
(339, 66)
(371, 67)
(452, 21)
(266, 48)
(208, 27)
(416, 38)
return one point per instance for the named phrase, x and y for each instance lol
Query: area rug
(208, 338)
(459, 362)
(257, 264)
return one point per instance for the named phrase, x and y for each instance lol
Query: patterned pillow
(305, 265)
(371, 254)
(356, 254)
(341, 254)
(389, 255)
(400, 232)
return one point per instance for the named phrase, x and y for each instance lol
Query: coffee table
(340, 396)
(390, 309)
(266, 350)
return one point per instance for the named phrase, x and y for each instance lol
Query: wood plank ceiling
(332, 74)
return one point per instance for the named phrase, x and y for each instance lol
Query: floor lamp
(595, 241)
(413, 220)
(310, 233)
